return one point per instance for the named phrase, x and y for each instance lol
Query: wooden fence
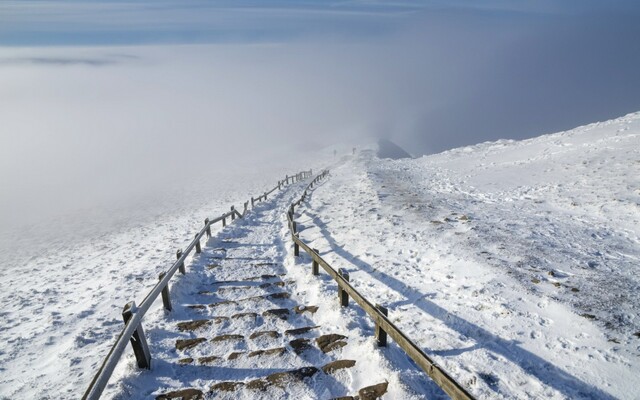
(378, 313)
(132, 314)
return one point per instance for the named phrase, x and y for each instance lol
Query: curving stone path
(238, 328)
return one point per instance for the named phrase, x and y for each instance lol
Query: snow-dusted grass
(513, 263)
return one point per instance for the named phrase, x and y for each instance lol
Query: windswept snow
(515, 264)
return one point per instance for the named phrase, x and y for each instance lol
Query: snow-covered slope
(62, 294)
(515, 264)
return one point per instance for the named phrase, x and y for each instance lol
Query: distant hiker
(353, 151)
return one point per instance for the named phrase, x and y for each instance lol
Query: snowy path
(241, 326)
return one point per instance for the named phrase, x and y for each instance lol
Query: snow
(63, 290)
(512, 263)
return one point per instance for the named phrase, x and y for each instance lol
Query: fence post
(287, 178)
(295, 227)
(233, 215)
(138, 341)
(246, 204)
(181, 266)
(224, 221)
(166, 299)
(198, 248)
(342, 294)
(265, 195)
(296, 247)
(314, 264)
(279, 182)
(311, 171)
(206, 223)
(252, 202)
(381, 335)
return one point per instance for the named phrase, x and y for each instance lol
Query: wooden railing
(132, 314)
(378, 313)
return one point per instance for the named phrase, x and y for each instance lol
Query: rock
(197, 306)
(281, 379)
(184, 394)
(268, 352)
(245, 315)
(271, 284)
(338, 364)
(282, 295)
(373, 392)
(300, 345)
(258, 384)
(193, 325)
(330, 342)
(282, 313)
(300, 331)
(227, 337)
(226, 386)
(271, 334)
(235, 355)
(208, 360)
(185, 361)
(588, 316)
(221, 303)
(182, 344)
(304, 309)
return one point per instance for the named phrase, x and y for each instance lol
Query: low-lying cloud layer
(89, 125)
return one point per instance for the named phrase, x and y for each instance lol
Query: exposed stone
(193, 325)
(257, 384)
(338, 364)
(300, 345)
(245, 315)
(208, 360)
(226, 386)
(184, 394)
(304, 309)
(282, 313)
(221, 303)
(197, 306)
(235, 355)
(282, 295)
(330, 342)
(373, 392)
(271, 334)
(588, 316)
(281, 379)
(300, 331)
(227, 337)
(267, 352)
(271, 284)
(212, 266)
(182, 344)
(185, 361)
(205, 292)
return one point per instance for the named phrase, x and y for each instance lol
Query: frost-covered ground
(514, 264)
(64, 282)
